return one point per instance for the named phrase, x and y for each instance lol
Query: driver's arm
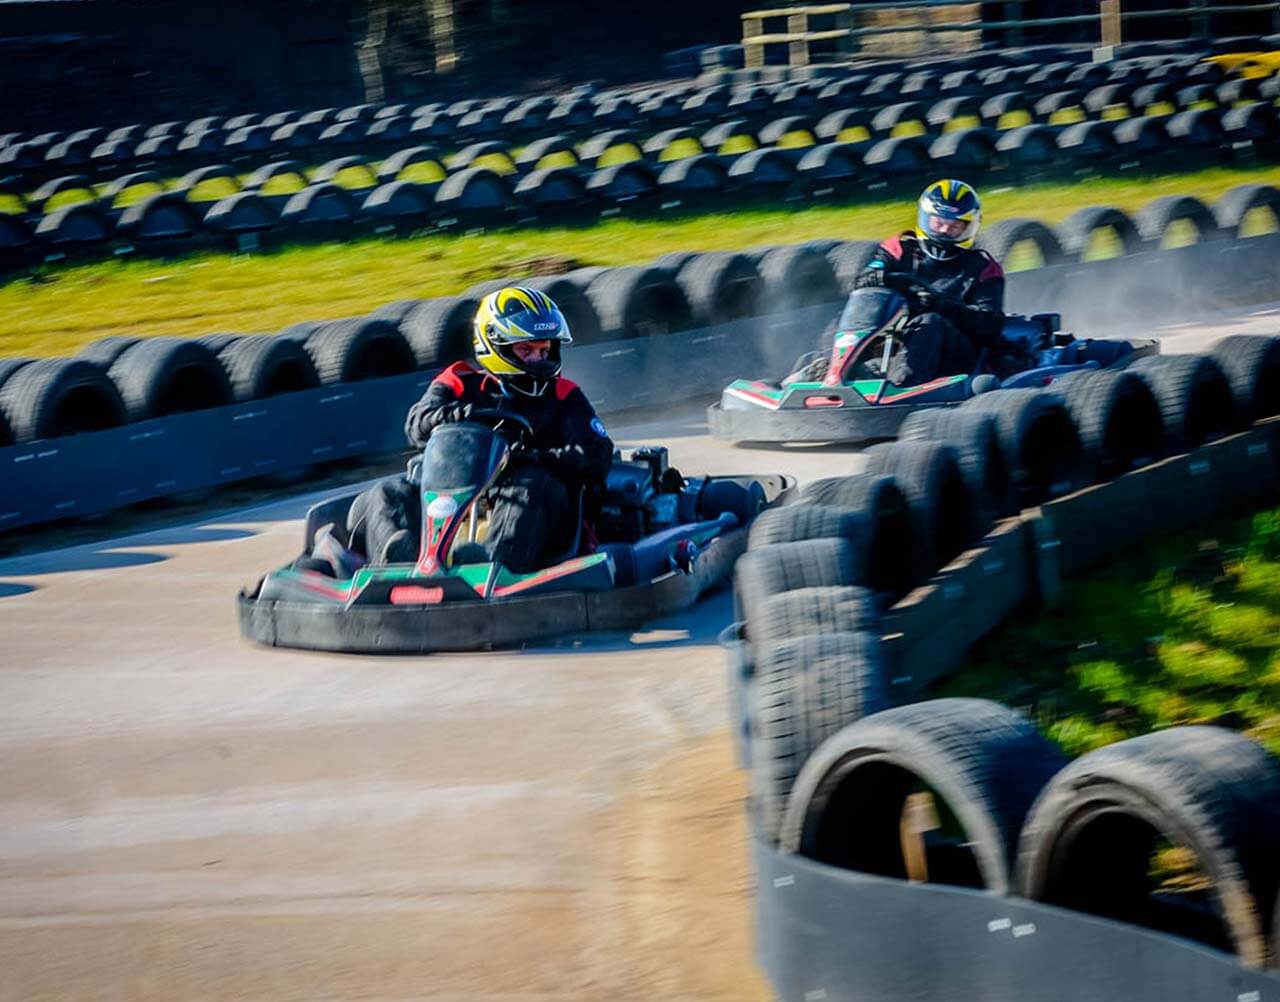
(441, 404)
(981, 315)
(587, 452)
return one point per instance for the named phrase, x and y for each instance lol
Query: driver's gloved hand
(899, 282)
(922, 300)
(872, 278)
(457, 412)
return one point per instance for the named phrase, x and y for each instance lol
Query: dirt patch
(672, 901)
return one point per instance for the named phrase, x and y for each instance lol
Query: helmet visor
(941, 226)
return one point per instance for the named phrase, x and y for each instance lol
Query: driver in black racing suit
(517, 337)
(964, 313)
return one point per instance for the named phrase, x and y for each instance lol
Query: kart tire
(849, 260)
(771, 570)
(1155, 219)
(1087, 842)
(1001, 238)
(264, 366)
(890, 557)
(807, 689)
(1234, 207)
(159, 376)
(347, 351)
(439, 330)
(928, 474)
(1251, 364)
(53, 397)
(1039, 442)
(1077, 230)
(795, 277)
(818, 610)
(638, 302)
(976, 441)
(983, 760)
(106, 350)
(673, 261)
(1117, 417)
(1194, 396)
(808, 521)
(720, 496)
(721, 288)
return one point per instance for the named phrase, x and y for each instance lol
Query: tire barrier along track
(321, 363)
(844, 811)
(826, 138)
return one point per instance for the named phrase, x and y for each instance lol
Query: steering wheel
(497, 415)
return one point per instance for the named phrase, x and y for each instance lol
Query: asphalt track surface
(186, 816)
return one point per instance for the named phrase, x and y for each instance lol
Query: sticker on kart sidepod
(442, 508)
(598, 427)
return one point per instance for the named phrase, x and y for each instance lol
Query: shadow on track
(697, 626)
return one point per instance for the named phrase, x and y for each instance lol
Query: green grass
(1184, 632)
(55, 310)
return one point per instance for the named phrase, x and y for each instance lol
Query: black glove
(458, 412)
(921, 300)
(899, 282)
(872, 278)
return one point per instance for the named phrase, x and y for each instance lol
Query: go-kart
(660, 540)
(854, 399)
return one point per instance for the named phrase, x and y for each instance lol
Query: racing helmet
(948, 217)
(512, 315)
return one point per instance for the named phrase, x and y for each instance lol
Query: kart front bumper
(827, 424)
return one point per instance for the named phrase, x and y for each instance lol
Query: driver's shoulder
(986, 266)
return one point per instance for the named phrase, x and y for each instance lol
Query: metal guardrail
(1109, 18)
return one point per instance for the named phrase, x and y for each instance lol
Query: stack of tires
(966, 792)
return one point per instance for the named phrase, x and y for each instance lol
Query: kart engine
(642, 496)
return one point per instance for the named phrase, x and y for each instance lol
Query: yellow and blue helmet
(948, 216)
(512, 315)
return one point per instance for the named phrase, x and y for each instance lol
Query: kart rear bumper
(480, 625)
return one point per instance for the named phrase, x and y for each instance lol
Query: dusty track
(183, 815)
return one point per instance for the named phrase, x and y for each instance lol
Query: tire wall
(299, 429)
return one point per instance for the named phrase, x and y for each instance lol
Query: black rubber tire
(1195, 398)
(1074, 231)
(160, 376)
(1234, 206)
(817, 610)
(761, 574)
(673, 261)
(986, 762)
(1117, 418)
(890, 557)
(106, 350)
(849, 260)
(8, 366)
(795, 277)
(1086, 844)
(976, 441)
(217, 343)
(397, 311)
(1000, 238)
(439, 330)
(1251, 364)
(1041, 446)
(721, 288)
(792, 522)
(54, 397)
(265, 366)
(639, 302)
(806, 689)
(928, 474)
(1156, 217)
(347, 351)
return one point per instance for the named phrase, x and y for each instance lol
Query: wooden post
(798, 49)
(1109, 12)
(443, 34)
(752, 55)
